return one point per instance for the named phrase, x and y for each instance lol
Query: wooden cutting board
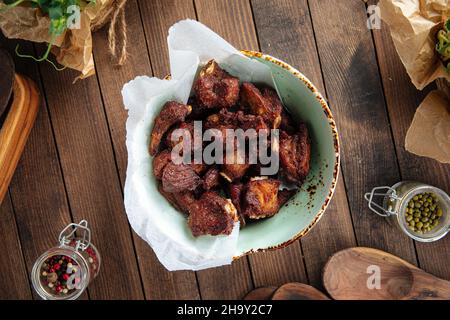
(352, 274)
(6, 80)
(14, 131)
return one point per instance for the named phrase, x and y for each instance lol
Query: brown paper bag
(413, 25)
(72, 49)
(429, 133)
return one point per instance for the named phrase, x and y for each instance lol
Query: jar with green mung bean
(421, 211)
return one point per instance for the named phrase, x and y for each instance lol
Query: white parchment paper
(191, 45)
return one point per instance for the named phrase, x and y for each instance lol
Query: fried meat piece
(284, 196)
(295, 155)
(179, 178)
(250, 121)
(172, 113)
(276, 107)
(260, 199)
(211, 179)
(264, 104)
(235, 191)
(215, 88)
(236, 168)
(160, 161)
(181, 201)
(188, 129)
(287, 123)
(212, 215)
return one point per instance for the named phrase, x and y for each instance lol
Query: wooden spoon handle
(16, 128)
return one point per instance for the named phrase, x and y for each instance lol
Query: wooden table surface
(75, 160)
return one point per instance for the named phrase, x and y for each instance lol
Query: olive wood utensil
(6, 79)
(349, 274)
(298, 291)
(16, 128)
(263, 293)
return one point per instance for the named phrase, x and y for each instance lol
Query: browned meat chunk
(215, 88)
(211, 179)
(235, 191)
(212, 215)
(276, 107)
(235, 169)
(181, 201)
(295, 155)
(172, 113)
(284, 196)
(287, 123)
(250, 121)
(179, 178)
(188, 129)
(261, 198)
(159, 163)
(264, 104)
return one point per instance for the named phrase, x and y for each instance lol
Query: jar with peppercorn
(421, 211)
(64, 272)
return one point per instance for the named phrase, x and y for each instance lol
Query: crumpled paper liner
(72, 49)
(413, 25)
(429, 133)
(191, 45)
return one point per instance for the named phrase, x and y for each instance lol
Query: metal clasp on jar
(67, 235)
(375, 207)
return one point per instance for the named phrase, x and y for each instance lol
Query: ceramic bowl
(303, 211)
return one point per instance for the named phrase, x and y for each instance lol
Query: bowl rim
(336, 169)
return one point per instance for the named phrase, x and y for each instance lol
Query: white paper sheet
(191, 45)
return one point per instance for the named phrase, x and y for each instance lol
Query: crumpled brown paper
(429, 133)
(413, 25)
(72, 49)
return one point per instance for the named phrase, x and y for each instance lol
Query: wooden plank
(37, 188)
(285, 31)
(402, 99)
(91, 179)
(14, 278)
(157, 17)
(157, 281)
(354, 89)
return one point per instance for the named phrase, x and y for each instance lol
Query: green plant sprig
(57, 11)
(443, 44)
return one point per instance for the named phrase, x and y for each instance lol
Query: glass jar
(395, 202)
(64, 272)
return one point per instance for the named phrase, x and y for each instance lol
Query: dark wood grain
(157, 281)
(402, 99)
(285, 31)
(355, 93)
(14, 278)
(232, 20)
(157, 17)
(91, 179)
(37, 188)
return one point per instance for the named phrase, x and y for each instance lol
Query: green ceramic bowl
(302, 212)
